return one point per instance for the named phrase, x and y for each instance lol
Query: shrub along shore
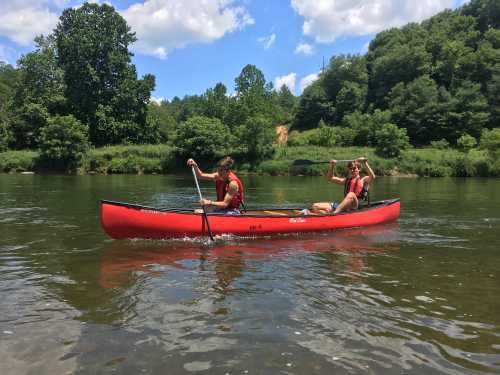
(161, 159)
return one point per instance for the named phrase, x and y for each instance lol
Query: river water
(421, 296)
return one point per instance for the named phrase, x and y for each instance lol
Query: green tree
(415, 106)
(253, 96)
(9, 79)
(286, 105)
(203, 138)
(466, 142)
(42, 80)
(63, 142)
(251, 81)
(26, 124)
(365, 126)
(5, 136)
(217, 102)
(452, 39)
(92, 48)
(391, 140)
(346, 84)
(396, 56)
(486, 12)
(490, 141)
(313, 107)
(165, 119)
(469, 112)
(256, 138)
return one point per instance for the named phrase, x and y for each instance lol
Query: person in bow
(229, 189)
(355, 187)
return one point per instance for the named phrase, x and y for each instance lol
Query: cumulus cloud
(307, 80)
(163, 25)
(22, 20)
(304, 48)
(326, 20)
(267, 41)
(288, 80)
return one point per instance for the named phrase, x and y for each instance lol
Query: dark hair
(352, 164)
(225, 163)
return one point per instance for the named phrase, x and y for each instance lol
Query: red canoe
(124, 220)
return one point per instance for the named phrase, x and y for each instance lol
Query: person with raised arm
(355, 187)
(229, 189)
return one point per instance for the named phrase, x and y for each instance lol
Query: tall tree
(250, 81)
(102, 88)
(487, 13)
(399, 56)
(42, 79)
(9, 79)
(346, 84)
(313, 107)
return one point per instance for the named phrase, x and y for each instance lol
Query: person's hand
(333, 162)
(191, 163)
(362, 160)
(205, 202)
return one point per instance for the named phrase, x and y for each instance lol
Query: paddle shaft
(205, 216)
(338, 161)
(305, 162)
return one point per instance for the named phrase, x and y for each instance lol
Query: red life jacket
(356, 186)
(222, 186)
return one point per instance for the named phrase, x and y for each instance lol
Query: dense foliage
(434, 84)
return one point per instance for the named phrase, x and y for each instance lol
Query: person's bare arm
(199, 173)
(371, 176)
(330, 176)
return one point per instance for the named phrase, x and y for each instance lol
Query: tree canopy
(431, 83)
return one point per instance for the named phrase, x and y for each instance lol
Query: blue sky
(190, 45)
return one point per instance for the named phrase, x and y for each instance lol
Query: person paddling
(228, 187)
(355, 187)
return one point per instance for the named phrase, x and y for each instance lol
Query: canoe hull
(122, 220)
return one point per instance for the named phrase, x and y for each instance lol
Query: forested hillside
(436, 84)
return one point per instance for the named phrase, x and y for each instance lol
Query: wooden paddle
(205, 216)
(305, 162)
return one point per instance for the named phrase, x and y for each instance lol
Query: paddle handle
(205, 216)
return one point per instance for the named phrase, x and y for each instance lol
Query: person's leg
(350, 201)
(321, 207)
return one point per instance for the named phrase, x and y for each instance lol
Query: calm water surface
(421, 296)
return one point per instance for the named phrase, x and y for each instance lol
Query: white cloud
(288, 80)
(307, 80)
(159, 100)
(163, 25)
(267, 41)
(22, 20)
(326, 20)
(304, 48)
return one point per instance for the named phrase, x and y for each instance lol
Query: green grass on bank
(148, 159)
(18, 161)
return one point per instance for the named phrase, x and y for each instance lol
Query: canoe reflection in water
(124, 262)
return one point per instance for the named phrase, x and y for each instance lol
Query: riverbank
(157, 159)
